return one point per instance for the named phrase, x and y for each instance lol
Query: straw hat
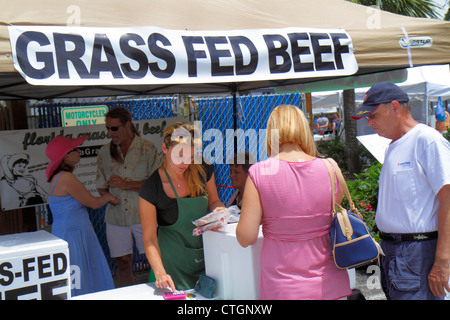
(57, 149)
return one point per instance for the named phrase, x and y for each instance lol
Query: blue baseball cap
(382, 92)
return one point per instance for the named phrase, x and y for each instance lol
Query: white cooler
(235, 269)
(34, 265)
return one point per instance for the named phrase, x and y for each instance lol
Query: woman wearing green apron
(174, 196)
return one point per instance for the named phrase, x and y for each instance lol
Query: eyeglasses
(374, 114)
(371, 116)
(115, 128)
(75, 149)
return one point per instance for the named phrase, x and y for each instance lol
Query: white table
(144, 291)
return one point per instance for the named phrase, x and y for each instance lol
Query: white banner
(23, 160)
(51, 55)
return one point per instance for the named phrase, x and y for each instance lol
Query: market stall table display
(236, 271)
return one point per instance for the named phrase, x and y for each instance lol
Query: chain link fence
(247, 114)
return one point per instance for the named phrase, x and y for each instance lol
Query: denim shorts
(405, 268)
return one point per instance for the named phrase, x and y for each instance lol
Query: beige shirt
(140, 162)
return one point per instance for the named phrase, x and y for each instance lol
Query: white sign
(376, 145)
(415, 42)
(83, 116)
(23, 160)
(34, 265)
(56, 55)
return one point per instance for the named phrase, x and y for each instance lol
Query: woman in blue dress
(68, 199)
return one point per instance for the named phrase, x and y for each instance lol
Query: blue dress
(89, 269)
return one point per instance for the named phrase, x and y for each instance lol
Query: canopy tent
(424, 85)
(431, 82)
(381, 40)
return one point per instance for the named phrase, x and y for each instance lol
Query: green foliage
(363, 187)
(334, 149)
(364, 193)
(447, 134)
(411, 8)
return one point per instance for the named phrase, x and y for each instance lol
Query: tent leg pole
(235, 116)
(308, 100)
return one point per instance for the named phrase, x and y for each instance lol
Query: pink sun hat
(57, 149)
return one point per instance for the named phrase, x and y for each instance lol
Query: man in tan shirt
(122, 166)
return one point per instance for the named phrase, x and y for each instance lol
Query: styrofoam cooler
(235, 269)
(34, 265)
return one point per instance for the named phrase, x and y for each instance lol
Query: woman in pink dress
(290, 195)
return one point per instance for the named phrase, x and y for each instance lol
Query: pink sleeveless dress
(296, 258)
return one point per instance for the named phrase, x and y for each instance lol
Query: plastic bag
(216, 215)
(234, 212)
(216, 220)
(440, 111)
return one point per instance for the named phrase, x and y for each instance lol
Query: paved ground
(367, 281)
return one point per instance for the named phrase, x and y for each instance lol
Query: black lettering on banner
(241, 68)
(161, 53)
(89, 152)
(47, 290)
(277, 51)
(46, 57)
(42, 266)
(102, 44)
(339, 49)
(15, 293)
(298, 51)
(6, 273)
(319, 50)
(193, 54)
(56, 266)
(45, 294)
(74, 56)
(135, 54)
(39, 55)
(216, 54)
(153, 129)
(27, 268)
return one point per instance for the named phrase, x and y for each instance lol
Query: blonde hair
(195, 175)
(288, 124)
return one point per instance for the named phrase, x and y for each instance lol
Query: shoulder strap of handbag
(333, 187)
(341, 180)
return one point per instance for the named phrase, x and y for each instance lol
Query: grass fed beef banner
(150, 55)
(23, 160)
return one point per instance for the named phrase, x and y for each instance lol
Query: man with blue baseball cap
(380, 93)
(413, 212)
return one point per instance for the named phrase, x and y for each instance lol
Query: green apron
(181, 252)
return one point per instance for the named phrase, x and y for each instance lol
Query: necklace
(178, 184)
(175, 182)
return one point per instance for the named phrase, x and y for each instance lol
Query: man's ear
(396, 106)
